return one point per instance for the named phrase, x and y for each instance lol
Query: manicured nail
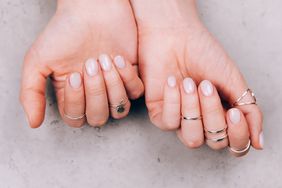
(171, 81)
(75, 80)
(91, 67)
(188, 85)
(207, 88)
(119, 62)
(105, 62)
(235, 116)
(261, 140)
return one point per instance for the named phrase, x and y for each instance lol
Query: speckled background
(132, 152)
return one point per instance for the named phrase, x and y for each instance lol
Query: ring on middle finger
(216, 131)
(218, 139)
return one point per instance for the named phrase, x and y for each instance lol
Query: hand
(174, 42)
(78, 31)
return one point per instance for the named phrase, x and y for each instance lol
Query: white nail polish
(119, 62)
(75, 80)
(188, 85)
(235, 116)
(91, 67)
(105, 62)
(261, 140)
(207, 88)
(171, 81)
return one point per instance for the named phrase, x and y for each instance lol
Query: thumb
(32, 95)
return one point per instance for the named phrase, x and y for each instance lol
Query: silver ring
(120, 108)
(192, 118)
(75, 118)
(239, 103)
(218, 139)
(242, 150)
(216, 131)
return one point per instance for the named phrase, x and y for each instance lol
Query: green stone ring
(120, 108)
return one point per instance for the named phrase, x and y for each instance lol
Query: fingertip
(34, 113)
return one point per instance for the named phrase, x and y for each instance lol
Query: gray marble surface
(132, 152)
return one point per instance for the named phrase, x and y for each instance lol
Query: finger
(119, 103)
(74, 101)
(213, 116)
(192, 130)
(238, 132)
(232, 85)
(97, 109)
(171, 106)
(33, 86)
(130, 78)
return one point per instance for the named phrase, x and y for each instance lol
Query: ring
(192, 118)
(239, 103)
(216, 131)
(219, 139)
(242, 150)
(120, 108)
(75, 118)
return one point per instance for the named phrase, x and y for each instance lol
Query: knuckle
(96, 91)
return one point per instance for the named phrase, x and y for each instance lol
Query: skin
(174, 42)
(83, 29)
(79, 30)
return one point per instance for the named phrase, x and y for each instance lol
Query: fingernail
(235, 116)
(75, 80)
(189, 85)
(261, 140)
(119, 62)
(171, 81)
(91, 67)
(207, 88)
(105, 62)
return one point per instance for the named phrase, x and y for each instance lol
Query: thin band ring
(120, 108)
(74, 118)
(192, 118)
(216, 131)
(242, 150)
(219, 139)
(238, 103)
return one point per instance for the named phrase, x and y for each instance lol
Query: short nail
(75, 80)
(105, 62)
(91, 67)
(171, 81)
(261, 140)
(189, 85)
(119, 62)
(235, 116)
(207, 88)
